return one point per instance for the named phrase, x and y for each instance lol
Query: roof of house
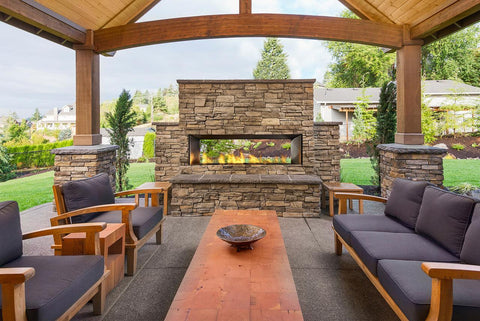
(350, 95)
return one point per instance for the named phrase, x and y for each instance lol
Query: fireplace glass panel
(245, 150)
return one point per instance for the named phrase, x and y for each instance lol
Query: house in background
(338, 104)
(59, 118)
(137, 136)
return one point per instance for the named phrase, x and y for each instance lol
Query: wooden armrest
(93, 209)
(439, 270)
(65, 229)
(152, 190)
(358, 196)
(16, 275)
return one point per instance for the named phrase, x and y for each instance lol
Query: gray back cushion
(405, 200)
(87, 192)
(10, 232)
(470, 251)
(444, 217)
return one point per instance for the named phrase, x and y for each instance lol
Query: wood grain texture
(365, 10)
(248, 25)
(38, 18)
(451, 270)
(223, 284)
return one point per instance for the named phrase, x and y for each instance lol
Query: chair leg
(159, 234)
(338, 245)
(98, 299)
(131, 254)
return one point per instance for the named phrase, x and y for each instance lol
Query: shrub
(149, 145)
(6, 168)
(464, 188)
(458, 146)
(28, 156)
(286, 146)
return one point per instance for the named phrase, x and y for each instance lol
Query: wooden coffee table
(334, 187)
(112, 247)
(223, 284)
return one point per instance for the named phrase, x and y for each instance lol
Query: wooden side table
(112, 246)
(161, 187)
(334, 187)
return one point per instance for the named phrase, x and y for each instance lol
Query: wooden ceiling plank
(222, 26)
(75, 11)
(420, 10)
(457, 11)
(366, 10)
(40, 19)
(131, 13)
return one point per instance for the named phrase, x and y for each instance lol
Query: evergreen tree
(387, 114)
(120, 121)
(273, 64)
(363, 119)
(36, 115)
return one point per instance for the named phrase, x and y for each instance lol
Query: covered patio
(329, 287)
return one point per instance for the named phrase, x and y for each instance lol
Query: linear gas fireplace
(245, 149)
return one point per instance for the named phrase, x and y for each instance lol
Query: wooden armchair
(58, 287)
(92, 200)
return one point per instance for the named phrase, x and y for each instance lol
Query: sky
(37, 73)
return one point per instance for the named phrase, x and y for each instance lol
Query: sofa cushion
(59, 281)
(10, 232)
(143, 219)
(87, 192)
(444, 217)
(405, 200)
(345, 224)
(470, 253)
(411, 289)
(374, 246)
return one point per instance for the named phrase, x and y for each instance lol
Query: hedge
(30, 156)
(149, 145)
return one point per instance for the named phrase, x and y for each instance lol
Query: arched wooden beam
(248, 25)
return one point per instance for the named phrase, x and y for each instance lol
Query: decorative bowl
(241, 236)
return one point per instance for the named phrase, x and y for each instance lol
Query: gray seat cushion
(444, 217)
(411, 289)
(10, 232)
(143, 219)
(59, 281)
(470, 252)
(345, 224)
(374, 246)
(405, 200)
(87, 192)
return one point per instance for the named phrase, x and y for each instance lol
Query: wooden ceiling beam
(365, 10)
(249, 25)
(36, 17)
(444, 18)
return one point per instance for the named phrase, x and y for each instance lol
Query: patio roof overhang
(91, 27)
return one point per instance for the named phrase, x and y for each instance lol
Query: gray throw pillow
(405, 200)
(444, 217)
(470, 253)
(11, 246)
(87, 192)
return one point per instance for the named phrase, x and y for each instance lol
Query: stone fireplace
(252, 114)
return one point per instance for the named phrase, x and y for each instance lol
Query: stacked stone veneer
(245, 107)
(414, 162)
(78, 162)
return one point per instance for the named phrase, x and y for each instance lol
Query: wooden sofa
(422, 255)
(92, 200)
(45, 288)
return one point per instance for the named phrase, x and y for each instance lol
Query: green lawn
(456, 171)
(37, 189)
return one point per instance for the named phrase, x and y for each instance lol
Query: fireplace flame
(242, 159)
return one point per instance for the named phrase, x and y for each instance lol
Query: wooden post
(88, 94)
(409, 111)
(245, 6)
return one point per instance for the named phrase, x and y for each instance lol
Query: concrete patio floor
(329, 287)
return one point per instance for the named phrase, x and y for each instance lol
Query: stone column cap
(84, 150)
(411, 149)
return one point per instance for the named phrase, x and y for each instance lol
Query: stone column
(77, 162)
(171, 144)
(327, 150)
(414, 162)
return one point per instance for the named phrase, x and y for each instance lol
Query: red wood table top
(223, 284)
